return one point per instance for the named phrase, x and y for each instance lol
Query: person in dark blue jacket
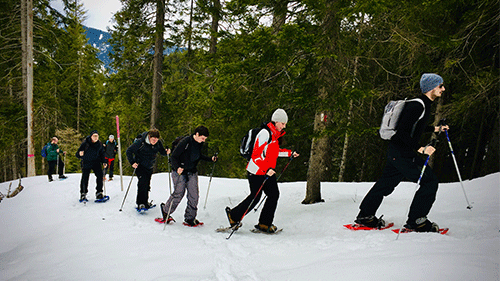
(142, 156)
(91, 153)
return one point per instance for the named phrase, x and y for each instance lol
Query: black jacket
(144, 153)
(92, 153)
(403, 140)
(110, 149)
(187, 154)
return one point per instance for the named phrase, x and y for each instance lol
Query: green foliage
(359, 54)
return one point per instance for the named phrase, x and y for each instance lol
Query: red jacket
(265, 154)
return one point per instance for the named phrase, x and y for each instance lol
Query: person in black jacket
(91, 154)
(403, 162)
(184, 159)
(110, 149)
(142, 156)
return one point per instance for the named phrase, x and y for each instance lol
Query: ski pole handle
(441, 123)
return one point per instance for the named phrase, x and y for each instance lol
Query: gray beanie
(429, 81)
(279, 115)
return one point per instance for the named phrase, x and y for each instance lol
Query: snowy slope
(48, 235)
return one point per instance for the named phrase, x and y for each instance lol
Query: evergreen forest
(331, 64)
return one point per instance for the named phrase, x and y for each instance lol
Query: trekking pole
(433, 144)
(57, 164)
(257, 194)
(441, 123)
(104, 182)
(127, 189)
(64, 164)
(169, 174)
(263, 199)
(469, 206)
(210, 181)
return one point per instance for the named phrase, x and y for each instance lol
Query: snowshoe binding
(83, 198)
(142, 208)
(100, 198)
(192, 223)
(421, 225)
(262, 228)
(369, 223)
(164, 215)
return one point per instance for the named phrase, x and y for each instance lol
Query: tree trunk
(14, 163)
(346, 144)
(24, 43)
(6, 160)
(158, 62)
(215, 26)
(79, 93)
(28, 83)
(280, 10)
(319, 158)
(190, 31)
(363, 163)
(479, 148)
(317, 161)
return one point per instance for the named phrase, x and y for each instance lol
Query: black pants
(84, 183)
(144, 184)
(111, 165)
(397, 168)
(52, 168)
(270, 188)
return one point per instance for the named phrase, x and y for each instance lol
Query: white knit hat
(279, 115)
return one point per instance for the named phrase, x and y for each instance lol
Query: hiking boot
(266, 228)
(150, 205)
(63, 177)
(83, 197)
(192, 222)
(163, 213)
(231, 221)
(141, 207)
(51, 179)
(371, 221)
(99, 196)
(422, 225)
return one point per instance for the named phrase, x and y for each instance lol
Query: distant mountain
(100, 40)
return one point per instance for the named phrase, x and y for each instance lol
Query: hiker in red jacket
(261, 173)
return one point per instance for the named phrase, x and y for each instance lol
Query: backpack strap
(419, 118)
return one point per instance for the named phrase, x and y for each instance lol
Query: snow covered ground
(46, 234)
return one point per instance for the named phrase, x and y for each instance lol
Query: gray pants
(182, 183)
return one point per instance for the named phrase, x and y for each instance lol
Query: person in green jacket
(53, 153)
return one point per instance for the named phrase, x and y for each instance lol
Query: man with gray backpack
(404, 132)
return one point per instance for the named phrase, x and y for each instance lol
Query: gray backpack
(391, 116)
